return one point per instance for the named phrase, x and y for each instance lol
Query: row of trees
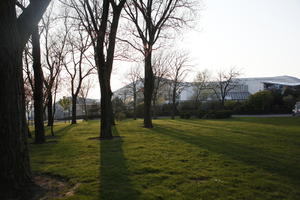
(87, 36)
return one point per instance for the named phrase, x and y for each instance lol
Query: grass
(238, 158)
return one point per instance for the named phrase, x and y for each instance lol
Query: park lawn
(237, 158)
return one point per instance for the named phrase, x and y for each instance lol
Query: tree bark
(14, 168)
(74, 100)
(38, 88)
(148, 89)
(106, 107)
(49, 109)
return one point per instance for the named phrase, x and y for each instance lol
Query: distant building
(245, 87)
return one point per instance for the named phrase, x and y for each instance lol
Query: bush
(185, 115)
(120, 116)
(218, 114)
(201, 113)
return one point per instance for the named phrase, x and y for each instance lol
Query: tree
(77, 68)
(54, 53)
(38, 88)
(200, 84)
(15, 170)
(179, 68)
(65, 104)
(134, 76)
(224, 83)
(101, 23)
(153, 19)
(83, 94)
(160, 71)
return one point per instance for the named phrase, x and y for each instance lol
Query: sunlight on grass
(238, 158)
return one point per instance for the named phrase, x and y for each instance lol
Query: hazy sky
(260, 37)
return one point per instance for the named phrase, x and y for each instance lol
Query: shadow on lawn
(249, 155)
(114, 175)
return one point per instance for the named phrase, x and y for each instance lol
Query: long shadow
(249, 155)
(115, 183)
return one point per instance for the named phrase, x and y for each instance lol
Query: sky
(260, 38)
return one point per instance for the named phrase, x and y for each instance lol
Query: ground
(238, 158)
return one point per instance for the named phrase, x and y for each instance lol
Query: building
(243, 89)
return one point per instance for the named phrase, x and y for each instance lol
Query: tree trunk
(154, 107)
(14, 168)
(134, 104)
(74, 99)
(106, 106)
(173, 103)
(38, 88)
(49, 109)
(148, 89)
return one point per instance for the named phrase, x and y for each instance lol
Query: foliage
(65, 103)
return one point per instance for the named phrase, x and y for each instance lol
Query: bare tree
(79, 67)
(179, 63)
(134, 77)
(101, 23)
(55, 53)
(83, 94)
(161, 69)
(224, 83)
(153, 19)
(15, 170)
(200, 84)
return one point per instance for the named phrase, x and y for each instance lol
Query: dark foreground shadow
(115, 183)
(271, 162)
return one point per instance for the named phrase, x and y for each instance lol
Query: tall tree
(180, 67)
(15, 170)
(55, 52)
(79, 66)
(134, 76)
(161, 69)
(101, 23)
(153, 19)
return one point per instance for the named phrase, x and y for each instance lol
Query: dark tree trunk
(106, 107)
(14, 168)
(38, 88)
(148, 89)
(74, 100)
(49, 109)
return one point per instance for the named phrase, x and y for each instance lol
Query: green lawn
(238, 158)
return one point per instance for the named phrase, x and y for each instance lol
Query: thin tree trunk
(49, 109)
(74, 99)
(38, 88)
(148, 90)
(15, 170)
(134, 104)
(173, 103)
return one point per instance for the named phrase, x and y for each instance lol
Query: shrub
(120, 116)
(185, 115)
(201, 113)
(218, 114)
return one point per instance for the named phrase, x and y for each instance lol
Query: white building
(242, 91)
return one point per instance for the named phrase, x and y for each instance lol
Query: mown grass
(238, 158)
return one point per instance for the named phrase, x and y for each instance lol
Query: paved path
(271, 115)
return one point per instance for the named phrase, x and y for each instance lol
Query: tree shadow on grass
(253, 156)
(114, 175)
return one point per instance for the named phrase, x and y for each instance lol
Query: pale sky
(260, 37)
